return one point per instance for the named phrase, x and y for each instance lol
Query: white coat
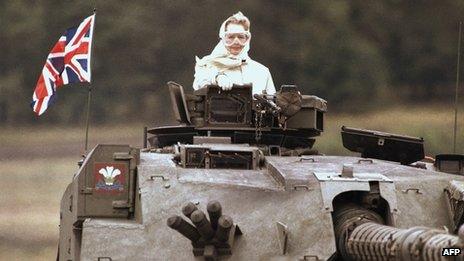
(247, 72)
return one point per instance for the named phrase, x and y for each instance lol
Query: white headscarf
(220, 56)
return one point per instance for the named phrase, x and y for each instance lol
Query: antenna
(456, 91)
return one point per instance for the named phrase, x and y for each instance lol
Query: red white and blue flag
(68, 62)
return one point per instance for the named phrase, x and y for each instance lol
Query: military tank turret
(239, 179)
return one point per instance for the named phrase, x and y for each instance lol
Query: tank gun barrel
(362, 236)
(372, 241)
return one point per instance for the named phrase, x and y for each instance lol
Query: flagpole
(87, 119)
(89, 96)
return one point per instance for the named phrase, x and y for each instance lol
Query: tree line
(356, 54)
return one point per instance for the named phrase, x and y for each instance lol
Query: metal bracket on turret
(334, 183)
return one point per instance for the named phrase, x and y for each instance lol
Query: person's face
(235, 38)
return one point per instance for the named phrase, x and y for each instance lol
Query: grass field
(37, 164)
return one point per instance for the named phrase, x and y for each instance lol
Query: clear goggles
(242, 38)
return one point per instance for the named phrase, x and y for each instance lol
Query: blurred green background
(387, 65)
(359, 55)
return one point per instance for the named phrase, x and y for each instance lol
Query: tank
(240, 179)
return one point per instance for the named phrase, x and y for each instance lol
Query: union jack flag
(68, 62)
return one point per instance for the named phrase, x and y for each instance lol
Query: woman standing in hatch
(229, 62)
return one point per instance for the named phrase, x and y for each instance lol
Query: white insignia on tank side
(109, 173)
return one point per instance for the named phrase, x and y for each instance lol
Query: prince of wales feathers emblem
(109, 174)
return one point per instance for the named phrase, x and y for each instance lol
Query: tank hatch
(383, 145)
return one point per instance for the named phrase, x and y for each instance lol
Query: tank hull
(297, 192)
